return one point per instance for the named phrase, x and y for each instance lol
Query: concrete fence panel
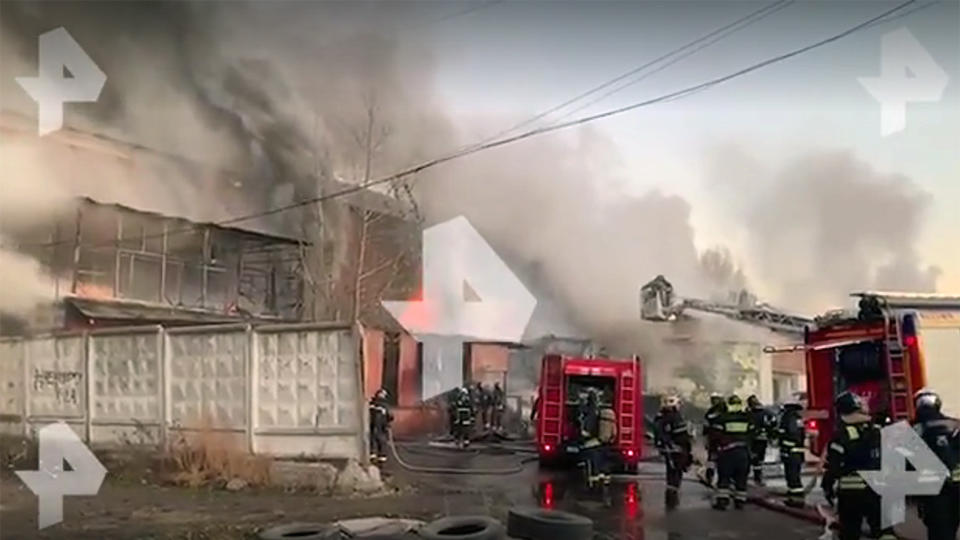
(12, 361)
(126, 368)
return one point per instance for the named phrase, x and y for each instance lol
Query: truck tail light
(547, 448)
(813, 425)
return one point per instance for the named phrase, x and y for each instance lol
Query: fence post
(166, 415)
(363, 434)
(25, 372)
(162, 386)
(89, 391)
(252, 368)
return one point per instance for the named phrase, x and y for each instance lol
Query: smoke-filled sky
(785, 169)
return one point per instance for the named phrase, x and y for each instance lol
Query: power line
(883, 17)
(627, 84)
(723, 31)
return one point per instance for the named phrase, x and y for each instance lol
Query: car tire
(543, 524)
(301, 531)
(463, 528)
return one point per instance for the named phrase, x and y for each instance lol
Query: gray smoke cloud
(825, 224)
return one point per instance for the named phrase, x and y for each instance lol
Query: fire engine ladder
(553, 397)
(628, 407)
(899, 375)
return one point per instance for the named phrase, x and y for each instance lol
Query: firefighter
(591, 445)
(855, 447)
(672, 438)
(481, 405)
(734, 433)
(791, 436)
(758, 446)
(710, 433)
(463, 417)
(497, 407)
(380, 419)
(940, 513)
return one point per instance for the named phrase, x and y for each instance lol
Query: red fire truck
(563, 379)
(893, 346)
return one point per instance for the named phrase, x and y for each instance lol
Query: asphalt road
(630, 509)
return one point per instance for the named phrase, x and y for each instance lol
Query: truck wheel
(536, 523)
(463, 528)
(302, 531)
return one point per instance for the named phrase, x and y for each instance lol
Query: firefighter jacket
(380, 415)
(710, 427)
(733, 427)
(497, 398)
(588, 420)
(942, 435)
(672, 432)
(463, 409)
(763, 423)
(855, 447)
(791, 434)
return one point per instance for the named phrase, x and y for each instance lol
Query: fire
(94, 291)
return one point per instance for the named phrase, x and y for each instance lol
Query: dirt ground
(130, 510)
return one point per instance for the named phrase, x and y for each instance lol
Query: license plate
(573, 450)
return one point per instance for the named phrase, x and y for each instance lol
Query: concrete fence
(282, 390)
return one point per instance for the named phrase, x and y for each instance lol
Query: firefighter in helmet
(591, 443)
(733, 454)
(463, 417)
(672, 437)
(497, 407)
(710, 433)
(763, 425)
(855, 447)
(792, 436)
(941, 512)
(380, 418)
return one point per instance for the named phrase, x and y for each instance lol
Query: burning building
(111, 265)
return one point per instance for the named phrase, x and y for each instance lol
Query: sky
(509, 59)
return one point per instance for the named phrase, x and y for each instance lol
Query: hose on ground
(452, 470)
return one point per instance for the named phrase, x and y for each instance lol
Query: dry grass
(208, 456)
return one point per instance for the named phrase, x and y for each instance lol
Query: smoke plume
(826, 224)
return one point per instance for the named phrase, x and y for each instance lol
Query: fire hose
(453, 470)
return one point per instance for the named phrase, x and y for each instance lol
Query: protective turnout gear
(734, 433)
(710, 433)
(849, 403)
(380, 419)
(497, 407)
(463, 417)
(927, 400)
(855, 447)
(941, 512)
(481, 404)
(791, 436)
(591, 446)
(672, 437)
(764, 428)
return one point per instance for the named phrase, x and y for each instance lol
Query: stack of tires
(522, 524)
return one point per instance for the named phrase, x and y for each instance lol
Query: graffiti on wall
(65, 385)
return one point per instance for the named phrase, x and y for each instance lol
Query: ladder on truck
(898, 373)
(553, 401)
(627, 405)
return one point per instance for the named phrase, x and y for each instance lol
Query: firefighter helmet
(670, 401)
(734, 400)
(716, 399)
(849, 403)
(927, 398)
(382, 393)
(753, 401)
(792, 404)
